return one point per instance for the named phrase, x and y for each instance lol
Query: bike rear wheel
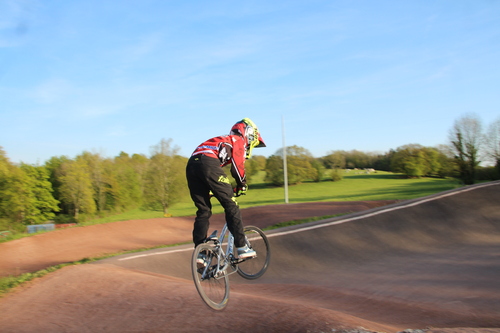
(214, 291)
(254, 268)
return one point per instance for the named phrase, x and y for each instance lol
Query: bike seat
(213, 236)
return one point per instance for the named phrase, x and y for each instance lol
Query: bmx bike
(212, 280)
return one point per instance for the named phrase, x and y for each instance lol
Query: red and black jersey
(228, 149)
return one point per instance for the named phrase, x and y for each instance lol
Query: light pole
(285, 171)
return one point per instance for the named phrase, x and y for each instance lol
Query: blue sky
(110, 76)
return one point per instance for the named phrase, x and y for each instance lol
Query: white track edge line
(154, 254)
(322, 225)
(411, 204)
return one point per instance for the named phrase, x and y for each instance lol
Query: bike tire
(256, 267)
(213, 291)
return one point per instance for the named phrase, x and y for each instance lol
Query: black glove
(240, 190)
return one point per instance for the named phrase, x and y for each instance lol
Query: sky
(110, 76)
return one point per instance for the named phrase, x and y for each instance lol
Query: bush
(319, 170)
(337, 174)
(487, 173)
(12, 229)
(64, 218)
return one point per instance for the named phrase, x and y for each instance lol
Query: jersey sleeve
(238, 161)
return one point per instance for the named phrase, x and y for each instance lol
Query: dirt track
(68, 245)
(408, 265)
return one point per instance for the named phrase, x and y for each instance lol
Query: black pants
(204, 174)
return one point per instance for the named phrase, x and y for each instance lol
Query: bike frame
(230, 242)
(225, 257)
(212, 279)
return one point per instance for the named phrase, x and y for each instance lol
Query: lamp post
(285, 171)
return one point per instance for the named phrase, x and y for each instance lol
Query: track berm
(431, 264)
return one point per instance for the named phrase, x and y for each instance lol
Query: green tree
(465, 141)
(408, 159)
(95, 163)
(335, 160)
(76, 187)
(140, 163)
(383, 161)
(492, 142)
(336, 174)
(447, 161)
(165, 177)
(261, 162)
(299, 169)
(274, 170)
(4, 163)
(415, 160)
(13, 190)
(357, 159)
(40, 205)
(25, 192)
(125, 183)
(5, 167)
(54, 169)
(298, 166)
(252, 166)
(319, 170)
(251, 169)
(341, 159)
(432, 161)
(14, 194)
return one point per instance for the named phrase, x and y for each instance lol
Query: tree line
(67, 189)
(468, 146)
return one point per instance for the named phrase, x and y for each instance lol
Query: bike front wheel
(254, 268)
(213, 290)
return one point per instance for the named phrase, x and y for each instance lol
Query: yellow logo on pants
(223, 179)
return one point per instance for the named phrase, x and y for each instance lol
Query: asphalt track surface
(427, 263)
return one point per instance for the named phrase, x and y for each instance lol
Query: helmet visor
(261, 142)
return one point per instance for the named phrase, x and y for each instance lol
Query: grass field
(355, 186)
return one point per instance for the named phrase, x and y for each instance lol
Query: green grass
(356, 186)
(9, 282)
(376, 186)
